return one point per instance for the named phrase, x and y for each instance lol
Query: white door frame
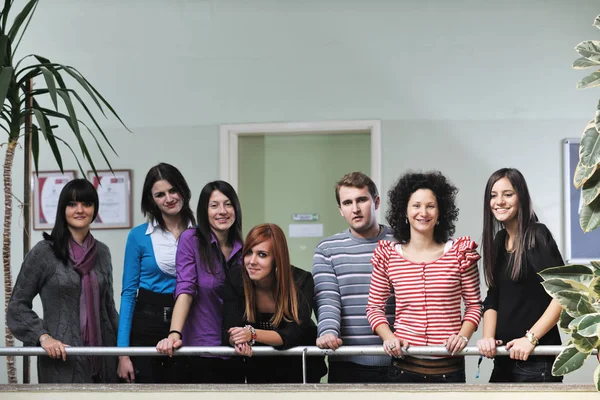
(230, 134)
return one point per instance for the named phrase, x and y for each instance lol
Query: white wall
(466, 86)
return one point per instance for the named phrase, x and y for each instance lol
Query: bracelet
(45, 337)
(252, 334)
(463, 338)
(177, 332)
(532, 338)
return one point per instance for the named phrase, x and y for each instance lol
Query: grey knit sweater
(342, 273)
(59, 288)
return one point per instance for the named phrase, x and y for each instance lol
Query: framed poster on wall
(45, 190)
(114, 194)
(580, 248)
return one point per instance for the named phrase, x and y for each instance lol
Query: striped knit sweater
(428, 295)
(342, 274)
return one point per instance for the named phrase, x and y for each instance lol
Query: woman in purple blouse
(205, 257)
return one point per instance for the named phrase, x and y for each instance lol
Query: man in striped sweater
(342, 274)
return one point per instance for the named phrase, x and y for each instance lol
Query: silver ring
(391, 346)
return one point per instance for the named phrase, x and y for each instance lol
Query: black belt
(429, 366)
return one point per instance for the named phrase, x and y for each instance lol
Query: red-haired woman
(278, 309)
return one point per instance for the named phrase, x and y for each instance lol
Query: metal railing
(304, 351)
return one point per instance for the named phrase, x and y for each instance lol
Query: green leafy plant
(577, 287)
(36, 90)
(587, 173)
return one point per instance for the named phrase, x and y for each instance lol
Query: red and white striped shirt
(428, 295)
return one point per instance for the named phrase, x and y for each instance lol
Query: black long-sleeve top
(292, 333)
(521, 303)
(286, 369)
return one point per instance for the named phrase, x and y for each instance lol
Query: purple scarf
(83, 257)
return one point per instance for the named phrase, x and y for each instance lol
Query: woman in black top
(278, 309)
(517, 311)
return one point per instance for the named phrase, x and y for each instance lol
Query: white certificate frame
(580, 248)
(45, 191)
(114, 195)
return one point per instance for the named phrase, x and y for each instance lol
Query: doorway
(288, 177)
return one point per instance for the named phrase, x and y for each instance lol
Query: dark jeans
(208, 370)
(533, 370)
(149, 325)
(234, 370)
(349, 372)
(286, 369)
(400, 375)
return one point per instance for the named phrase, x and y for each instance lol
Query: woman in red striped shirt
(430, 274)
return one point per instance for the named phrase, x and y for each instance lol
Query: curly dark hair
(445, 194)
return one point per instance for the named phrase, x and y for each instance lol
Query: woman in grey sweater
(72, 273)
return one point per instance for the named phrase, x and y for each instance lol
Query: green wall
(280, 175)
(251, 180)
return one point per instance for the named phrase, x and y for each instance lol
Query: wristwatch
(532, 338)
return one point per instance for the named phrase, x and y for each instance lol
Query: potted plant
(577, 287)
(34, 89)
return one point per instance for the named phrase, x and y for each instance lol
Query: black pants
(284, 369)
(535, 370)
(234, 370)
(398, 374)
(349, 372)
(208, 370)
(151, 323)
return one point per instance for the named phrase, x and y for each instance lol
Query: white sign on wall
(305, 230)
(305, 217)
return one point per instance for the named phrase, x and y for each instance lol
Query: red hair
(284, 290)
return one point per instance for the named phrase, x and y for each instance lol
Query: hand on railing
(170, 343)
(329, 341)
(125, 369)
(243, 349)
(394, 346)
(487, 347)
(54, 348)
(456, 343)
(520, 349)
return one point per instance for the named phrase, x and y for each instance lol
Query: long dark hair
(169, 173)
(203, 231)
(526, 225)
(445, 195)
(284, 289)
(76, 190)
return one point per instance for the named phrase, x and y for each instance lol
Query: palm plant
(46, 103)
(577, 287)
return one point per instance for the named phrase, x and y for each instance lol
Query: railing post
(304, 365)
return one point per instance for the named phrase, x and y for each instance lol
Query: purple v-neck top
(205, 318)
